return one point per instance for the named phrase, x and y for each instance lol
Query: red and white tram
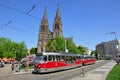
(50, 61)
(88, 59)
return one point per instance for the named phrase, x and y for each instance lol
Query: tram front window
(40, 59)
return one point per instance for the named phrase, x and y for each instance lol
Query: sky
(87, 21)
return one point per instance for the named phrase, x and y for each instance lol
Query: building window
(57, 26)
(43, 28)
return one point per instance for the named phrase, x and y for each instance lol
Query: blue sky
(86, 21)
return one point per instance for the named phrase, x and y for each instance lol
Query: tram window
(77, 58)
(80, 57)
(58, 58)
(67, 59)
(53, 58)
(74, 58)
(45, 58)
(49, 58)
(62, 58)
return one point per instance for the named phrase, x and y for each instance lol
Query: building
(108, 49)
(45, 34)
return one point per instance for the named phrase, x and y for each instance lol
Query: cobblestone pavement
(6, 70)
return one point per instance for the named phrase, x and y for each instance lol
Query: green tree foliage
(71, 46)
(95, 53)
(10, 49)
(33, 50)
(58, 45)
(82, 49)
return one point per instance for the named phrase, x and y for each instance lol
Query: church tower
(57, 25)
(44, 33)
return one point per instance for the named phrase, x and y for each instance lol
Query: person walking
(118, 59)
(17, 66)
(12, 66)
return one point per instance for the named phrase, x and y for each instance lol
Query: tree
(10, 49)
(55, 45)
(71, 46)
(58, 45)
(82, 49)
(95, 53)
(33, 50)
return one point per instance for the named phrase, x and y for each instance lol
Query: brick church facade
(45, 34)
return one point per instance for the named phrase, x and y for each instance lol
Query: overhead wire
(10, 21)
(18, 29)
(26, 13)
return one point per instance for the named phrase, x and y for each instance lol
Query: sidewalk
(6, 71)
(99, 73)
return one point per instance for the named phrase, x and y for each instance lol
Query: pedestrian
(118, 59)
(17, 66)
(12, 66)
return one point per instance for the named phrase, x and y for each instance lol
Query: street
(61, 75)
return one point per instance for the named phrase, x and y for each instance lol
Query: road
(61, 75)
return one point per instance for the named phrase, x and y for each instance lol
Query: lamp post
(65, 45)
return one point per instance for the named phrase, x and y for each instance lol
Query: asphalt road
(61, 75)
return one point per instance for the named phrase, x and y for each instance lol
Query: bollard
(83, 72)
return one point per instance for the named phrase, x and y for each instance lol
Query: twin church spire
(45, 34)
(45, 14)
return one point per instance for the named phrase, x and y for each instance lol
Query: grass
(114, 73)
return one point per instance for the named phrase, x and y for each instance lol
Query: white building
(108, 49)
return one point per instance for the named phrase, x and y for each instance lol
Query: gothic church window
(43, 28)
(57, 26)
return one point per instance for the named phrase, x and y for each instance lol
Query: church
(45, 34)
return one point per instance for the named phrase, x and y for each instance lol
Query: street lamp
(112, 33)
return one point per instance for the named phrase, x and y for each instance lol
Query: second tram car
(50, 61)
(88, 59)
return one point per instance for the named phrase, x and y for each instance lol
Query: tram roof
(58, 53)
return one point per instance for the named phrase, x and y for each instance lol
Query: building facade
(45, 34)
(108, 49)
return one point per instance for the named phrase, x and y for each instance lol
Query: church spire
(58, 12)
(57, 26)
(45, 14)
(43, 33)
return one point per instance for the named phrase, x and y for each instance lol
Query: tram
(88, 59)
(50, 61)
